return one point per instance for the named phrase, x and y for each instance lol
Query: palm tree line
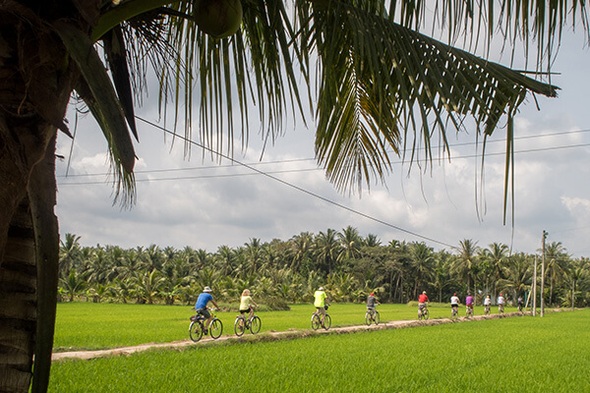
(281, 272)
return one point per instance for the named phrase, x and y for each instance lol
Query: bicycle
(468, 312)
(197, 327)
(316, 321)
(371, 316)
(520, 308)
(423, 312)
(242, 324)
(454, 312)
(486, 309)
(500, 309)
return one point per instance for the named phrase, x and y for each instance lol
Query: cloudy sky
(203, 204)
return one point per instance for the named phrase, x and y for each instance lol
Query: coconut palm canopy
(378, 84)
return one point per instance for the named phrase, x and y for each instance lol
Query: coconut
(218, 18)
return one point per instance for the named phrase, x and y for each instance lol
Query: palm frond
(386, 86)
(97, 91)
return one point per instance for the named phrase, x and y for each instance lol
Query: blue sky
(203, 204)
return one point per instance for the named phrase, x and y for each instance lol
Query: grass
(502, 355)
(100, 326)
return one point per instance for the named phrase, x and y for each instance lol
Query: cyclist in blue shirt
(201, 305)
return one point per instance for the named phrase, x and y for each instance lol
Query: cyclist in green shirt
(320, 302)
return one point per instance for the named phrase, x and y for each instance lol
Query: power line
(299, 188)
(532, 150)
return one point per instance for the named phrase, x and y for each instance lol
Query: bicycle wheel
(376, 318)
(315, 322)
(368, 319)
(255, 324)
(426, 314)
(215, 328)
(327, 322)
(239, 326)
(195, 330)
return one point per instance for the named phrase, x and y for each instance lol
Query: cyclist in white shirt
(501, 302)
(455, 301)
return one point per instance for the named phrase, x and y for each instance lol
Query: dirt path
(86, 355)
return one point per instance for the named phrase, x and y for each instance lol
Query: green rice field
(517, 354)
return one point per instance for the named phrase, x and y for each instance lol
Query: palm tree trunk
(42, 192)
(18, 283)
(37, 81)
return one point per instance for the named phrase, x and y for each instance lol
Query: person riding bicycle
(501, 302)
(320, 302)
(455, 301)
(487, 302)
(422, 302)
(372, 302)
(201, 305)
(520, 303)
(246, 304)
(469, 302)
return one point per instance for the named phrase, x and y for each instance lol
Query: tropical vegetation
(348, 264)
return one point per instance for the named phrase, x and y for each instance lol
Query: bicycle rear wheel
(315, 322)
(195, 330)
(327, 322)
(239, 326)
(215, 328)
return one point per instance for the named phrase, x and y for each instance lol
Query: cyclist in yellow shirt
(320, 302)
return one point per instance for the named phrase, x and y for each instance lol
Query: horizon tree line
(349, 265)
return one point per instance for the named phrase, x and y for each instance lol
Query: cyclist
(372, 302)
(246, 304)
(469, 303)
(520, 303)
(201, 305)
(320, 302)
(455, 301)
(422, 303)
(501, 302)
(487, 302)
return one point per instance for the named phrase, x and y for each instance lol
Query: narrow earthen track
(272, 335)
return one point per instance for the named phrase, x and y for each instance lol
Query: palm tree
(69, 253)
(518, 275)
(466, 262)
(557, 258)
(327, 249)
(422, 264)
(494, 259)
(387, 84)
(350, 243)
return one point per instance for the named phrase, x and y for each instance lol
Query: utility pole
(543, 275)
(535, 288)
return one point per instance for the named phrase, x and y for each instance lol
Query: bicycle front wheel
(376, 318)
(426, 314)
(368, 318)
(255, 324)
(215, 328)
(316, 322)
(239, 326)
(327, 322)
(195, 331)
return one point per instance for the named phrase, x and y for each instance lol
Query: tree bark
(42, 192)
(18, 282)
(36, 81)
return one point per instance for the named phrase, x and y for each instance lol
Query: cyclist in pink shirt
(469, 302)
